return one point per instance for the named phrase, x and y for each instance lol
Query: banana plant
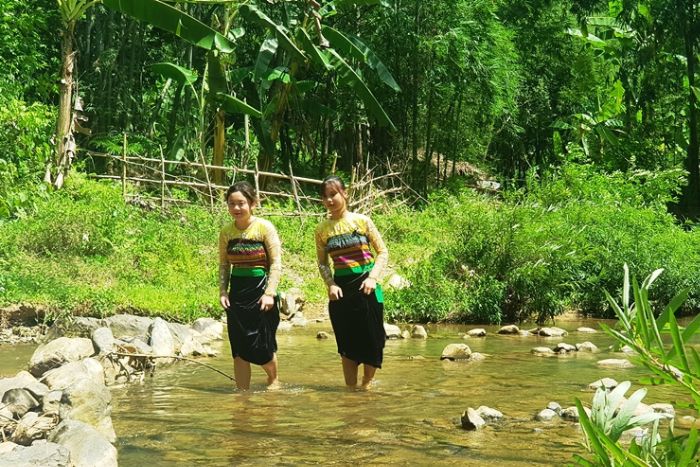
(71, 11)
(298, 56)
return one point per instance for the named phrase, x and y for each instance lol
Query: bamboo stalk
(257, 182)
(294, 187)
(124, 167)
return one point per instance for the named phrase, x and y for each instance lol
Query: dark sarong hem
(252, 333)
(358, 322)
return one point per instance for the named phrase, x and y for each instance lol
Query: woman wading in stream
(356, 305)
(249, 271)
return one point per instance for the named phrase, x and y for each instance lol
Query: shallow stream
(189, 415)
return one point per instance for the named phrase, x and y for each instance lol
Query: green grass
(469, 257)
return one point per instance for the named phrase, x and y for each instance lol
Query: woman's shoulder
(323, 225)
(227, 229)
(265, 224)
(360, 220)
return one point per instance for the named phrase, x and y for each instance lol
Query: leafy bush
(25, 145)
(555, 246)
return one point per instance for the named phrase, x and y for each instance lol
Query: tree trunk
(219, 145)
(64, 137)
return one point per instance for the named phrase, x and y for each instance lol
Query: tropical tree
(71, 12)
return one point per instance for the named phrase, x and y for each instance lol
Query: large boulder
(662, 407)
(209, 329)
(291, 302)
(103, 340)
(542, 351)
(84, 395)
(509, 329)
(75, 326)
(605, 383)
(471, 420)
(39, 454)
(489, 414)
(59, 352)
(563, 347)
(615, 363)
(129, 325)
(161, 340)
(571, 413)
(19, 401)
(456, 352)
(476, 332)
(546, 415)
(186, 340)
(552, 332)
(419, 332)
(587, 347)
(88, 448)
(51, 403)
(392, 331)
(23, 379)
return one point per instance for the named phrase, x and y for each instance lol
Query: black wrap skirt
(358, 321)
(251, 332)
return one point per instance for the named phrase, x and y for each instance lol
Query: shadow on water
(187, 414)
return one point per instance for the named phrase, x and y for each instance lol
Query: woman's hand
(335, 293)
(368, 285)
(266, 302)
(223, 299)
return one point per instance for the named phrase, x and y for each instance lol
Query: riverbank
(467, 257)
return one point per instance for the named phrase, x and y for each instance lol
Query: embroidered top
(347, 241)
(252, 252)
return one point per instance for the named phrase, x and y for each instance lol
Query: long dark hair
(246, 189)
(332, 180)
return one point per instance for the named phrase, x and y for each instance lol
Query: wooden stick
(192, 184)
(162, 179)
(257, 182)
(124, 167)
(126, 354)
(294, 187)
(208, 166)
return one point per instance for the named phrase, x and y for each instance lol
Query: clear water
(14, 358)
(189, 415)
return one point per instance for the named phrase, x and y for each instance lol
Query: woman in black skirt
(249, 271)
(356, 305)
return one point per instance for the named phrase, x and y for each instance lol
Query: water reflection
(188, 414)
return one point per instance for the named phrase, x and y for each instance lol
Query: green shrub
(538, 252)
(25, 145)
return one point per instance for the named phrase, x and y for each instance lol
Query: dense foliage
(584, 111)
(512, 86)
(86, 251)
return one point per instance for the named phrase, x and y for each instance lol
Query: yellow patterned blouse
(252, 252)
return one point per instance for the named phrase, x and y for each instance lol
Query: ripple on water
(187, 414)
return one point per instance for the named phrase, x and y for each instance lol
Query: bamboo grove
(516, 87)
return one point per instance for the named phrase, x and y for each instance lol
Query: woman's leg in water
(350, 372)
(271, 370)
(368, 375)
(241, 371)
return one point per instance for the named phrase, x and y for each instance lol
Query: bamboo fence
(367, 192)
